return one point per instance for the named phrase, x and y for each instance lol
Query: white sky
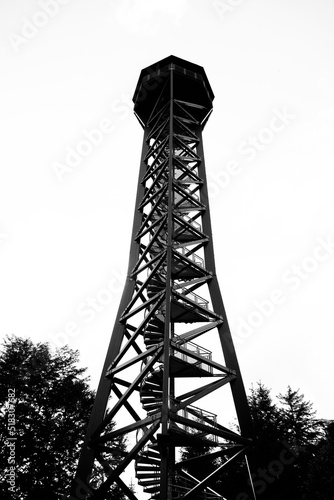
(65, 240)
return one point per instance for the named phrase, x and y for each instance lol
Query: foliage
(301, 427)
(292, 457)
(285, 436)
(319, 482)
(52, 401)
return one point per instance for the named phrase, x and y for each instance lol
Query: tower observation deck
(171, 352)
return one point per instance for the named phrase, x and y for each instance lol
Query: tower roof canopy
(190, 84)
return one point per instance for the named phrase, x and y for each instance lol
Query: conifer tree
(45, 403)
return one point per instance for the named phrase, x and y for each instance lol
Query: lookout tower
(160, 370)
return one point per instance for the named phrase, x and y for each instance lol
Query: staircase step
(152, 409)
(149, 474)
(152, 328)
(151, 397)
(152, 489)
(155, 337)
(156, 341)
(154, 476)
(151, 343)
(148, 388)
(155, 398)
(151, 453)
(149, 461)
(148, 392)
(143, 466)
(152, 384)
(151, 482)
(151, 406)
(153, 412)
(149, 401)
(154, 331)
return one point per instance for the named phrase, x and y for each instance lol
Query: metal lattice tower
(156, 378)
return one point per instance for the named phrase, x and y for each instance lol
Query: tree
(291, 459)
(302, 428)
(319, 482)
(285, 435)
(45, 403)
(268, 423)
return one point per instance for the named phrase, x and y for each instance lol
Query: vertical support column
(167, 382)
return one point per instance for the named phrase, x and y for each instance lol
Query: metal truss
(156, 378)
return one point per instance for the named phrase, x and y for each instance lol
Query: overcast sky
(69, 68)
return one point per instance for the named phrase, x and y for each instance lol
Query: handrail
(192, 347)
(200, 416)
(192, 256)
(194, 298)
(193, 223)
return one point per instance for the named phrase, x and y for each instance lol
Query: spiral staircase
(186, 306)
(148, 461)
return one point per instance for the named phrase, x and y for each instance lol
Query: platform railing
(193, 348)
(192, 256)
(204, 417)
(194, 297)
(193, 223)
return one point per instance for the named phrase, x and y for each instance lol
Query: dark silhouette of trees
(319, 481)
(285, 435)
(301, 427)
(45, 403)
(292, 458)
